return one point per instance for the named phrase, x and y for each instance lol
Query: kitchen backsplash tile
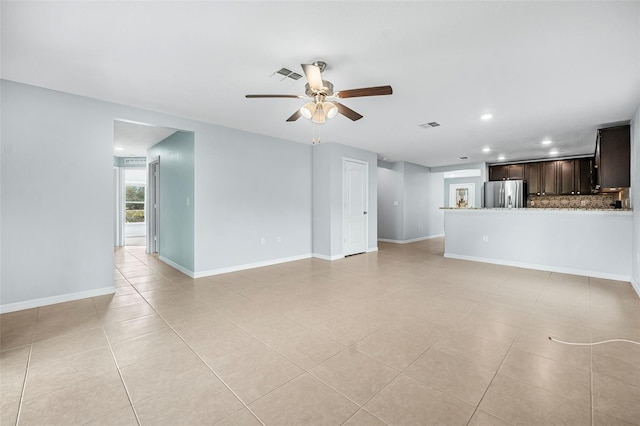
(593, 202)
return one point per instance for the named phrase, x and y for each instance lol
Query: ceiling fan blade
(348, 112)
(295, 116)
(274, 96)
(314, 77)
(366, 91)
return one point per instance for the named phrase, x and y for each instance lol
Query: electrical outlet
(485, 238)
(263, 241)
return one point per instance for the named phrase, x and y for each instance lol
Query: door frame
(118, 207)
(153, 206)
(344, 203)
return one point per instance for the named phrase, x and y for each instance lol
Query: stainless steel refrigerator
(505, 194)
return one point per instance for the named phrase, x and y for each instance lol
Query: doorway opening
(135, 208)
(135, 189)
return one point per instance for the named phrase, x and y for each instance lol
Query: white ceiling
(133, 139)
(554, 70)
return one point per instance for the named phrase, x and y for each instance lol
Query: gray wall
(327, 197)
(419, 184)
(555, 240)
(176, 239)
(419, 194)
(51, 246)
(245, 186)
(635, 199)
(390, 191)
(478, 181)
(248, 187)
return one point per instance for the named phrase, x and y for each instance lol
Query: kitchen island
(595, 243)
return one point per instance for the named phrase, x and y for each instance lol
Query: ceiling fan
(318, 90)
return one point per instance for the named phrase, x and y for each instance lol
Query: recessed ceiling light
(546, 142)
(119, 148)
(486, 149)
(486, 116)
(501, 158)
(553, 152)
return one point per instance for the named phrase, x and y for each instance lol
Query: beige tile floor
(399, 337)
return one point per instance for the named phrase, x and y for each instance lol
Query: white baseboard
(180, 268)
(249, 266)
(372, 249)
(44, 301)
(636, 286)
(413, 240)
(325, 257)
(582, 272)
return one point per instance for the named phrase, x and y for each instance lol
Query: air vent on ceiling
(135, 161)
(429, 125)
(288, 73)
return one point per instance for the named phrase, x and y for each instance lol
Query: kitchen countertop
(623, 212)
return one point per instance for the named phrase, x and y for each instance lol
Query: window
(134, 203)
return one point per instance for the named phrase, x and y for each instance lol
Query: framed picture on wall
(462, 195)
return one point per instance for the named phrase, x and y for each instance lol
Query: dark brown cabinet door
(583, 169)
(566, 177)
(533, 176)
(498, 173)
(549, 178)
(515, 171)
(613, 156)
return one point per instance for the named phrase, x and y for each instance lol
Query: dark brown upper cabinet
(566, 177)
(613, 157)
(516, 171)
(583, 173)
(533, 176)
(506, 172)
(549, 178)
(498, 172)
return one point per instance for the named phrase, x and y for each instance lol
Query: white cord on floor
(594, 343)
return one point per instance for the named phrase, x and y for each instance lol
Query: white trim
(180, 268)
(153, 222)
(454, 174)
(636, 286)
(372, 249)
(582, 272)
(413, 240)
(325, 257)
(44, 301)
(246, 266)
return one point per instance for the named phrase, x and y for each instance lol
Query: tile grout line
(113, 355)
(505, 357)
(28, 366)
(591, 356)
(502, 362)
(199, 357)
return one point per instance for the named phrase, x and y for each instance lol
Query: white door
(153, 207)
(355, 207)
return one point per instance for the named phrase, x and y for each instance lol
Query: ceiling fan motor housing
(327, 89)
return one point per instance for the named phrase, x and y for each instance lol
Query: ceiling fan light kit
(317, 89)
